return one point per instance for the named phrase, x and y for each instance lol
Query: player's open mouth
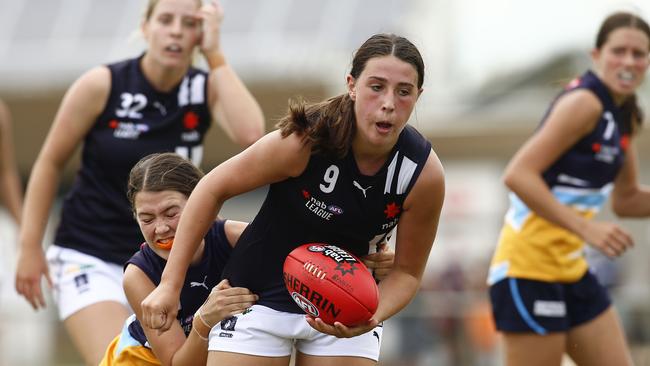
(165, 244)
(383, 126)
(626, 76)
(174, 48)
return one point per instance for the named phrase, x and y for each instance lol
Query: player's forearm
(194, 350)
(395, 292)
(12, 195)
(636, 204)
(39, 196)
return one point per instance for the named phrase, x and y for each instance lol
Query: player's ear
(350, 80)
(595, 54)
(144, 25)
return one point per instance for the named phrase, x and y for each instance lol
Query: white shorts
(81, 280)
(262, 331)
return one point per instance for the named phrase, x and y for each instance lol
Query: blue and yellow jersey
(531, 247)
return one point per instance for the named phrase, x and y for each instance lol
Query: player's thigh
(309, 360)
(94, 327)
(219, 358)
(600, 341)
(532, 349)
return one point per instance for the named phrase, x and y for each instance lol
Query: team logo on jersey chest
(320, 208)
(392, 210)
(191, 121)
(127, 130)
(607, 153)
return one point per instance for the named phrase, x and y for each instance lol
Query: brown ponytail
(329, 126)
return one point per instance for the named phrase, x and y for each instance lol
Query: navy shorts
(520, 305)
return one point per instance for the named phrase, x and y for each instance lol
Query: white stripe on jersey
(406, 171)
(611, 125)
(391, 172)
(195, 155)
(184, 93)
(198, 87)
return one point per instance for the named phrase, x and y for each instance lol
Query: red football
(328, 282)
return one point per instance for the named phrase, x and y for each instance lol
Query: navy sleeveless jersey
(138, 120)
(330, 202)
(595, 160)
(199, 281)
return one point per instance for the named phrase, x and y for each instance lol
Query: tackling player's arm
(137, 286)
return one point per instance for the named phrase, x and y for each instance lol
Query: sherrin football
(328, 282)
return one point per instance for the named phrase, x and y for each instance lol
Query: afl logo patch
(305, 304)
(316, 248)
(335, 209)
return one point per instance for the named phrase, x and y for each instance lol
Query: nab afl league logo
(316, 248)
(305, 304)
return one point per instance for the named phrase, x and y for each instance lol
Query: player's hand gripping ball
(328, 282)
